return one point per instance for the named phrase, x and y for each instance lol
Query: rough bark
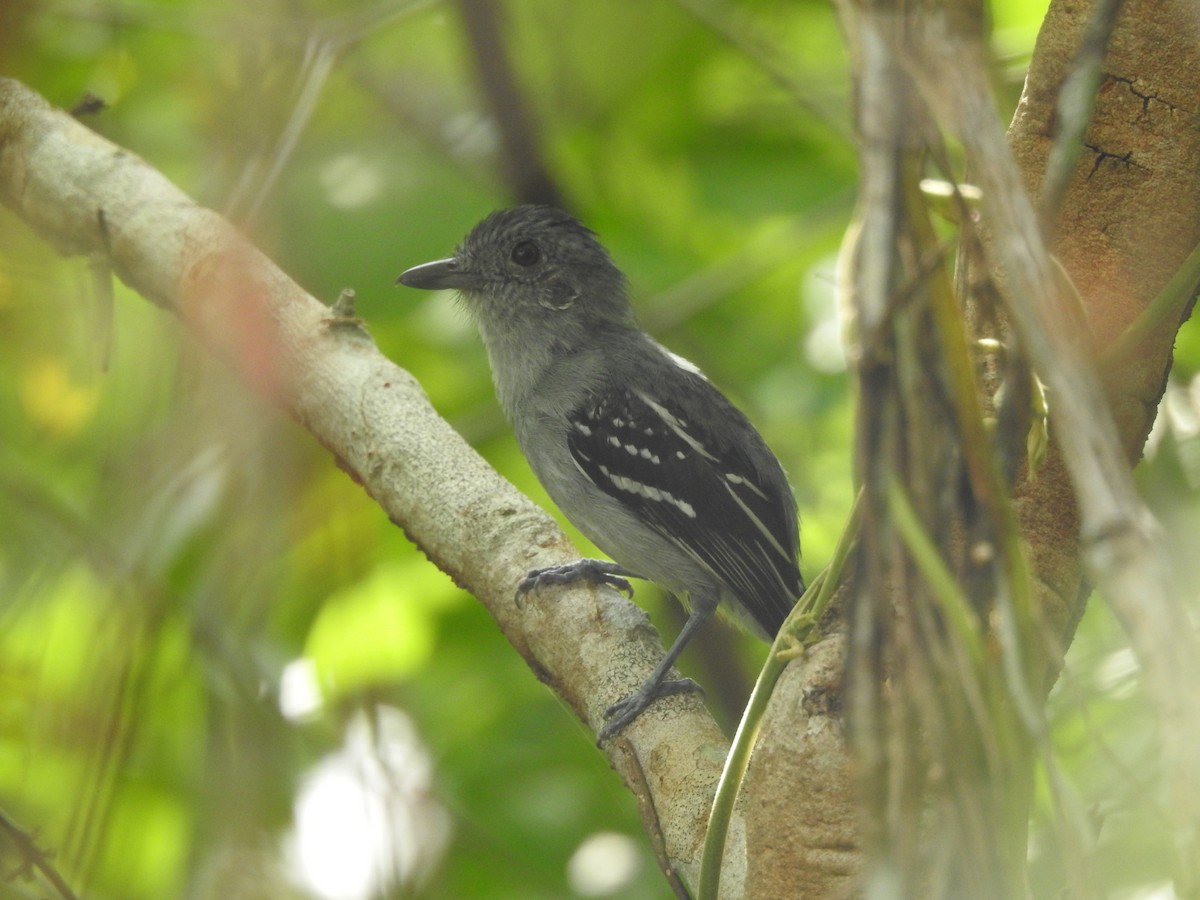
(1129, 219)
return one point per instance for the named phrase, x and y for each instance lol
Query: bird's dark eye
(526, 253)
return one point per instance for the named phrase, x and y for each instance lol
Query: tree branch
(86, 195)
(524, 167)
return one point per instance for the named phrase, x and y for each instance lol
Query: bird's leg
(594, 571)
(657, 685)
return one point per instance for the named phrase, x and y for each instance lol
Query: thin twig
(34, 857)
(525, 169)
(730, 24)
(793, 637)
(1171, 302)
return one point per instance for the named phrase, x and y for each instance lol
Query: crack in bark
(1103, 156)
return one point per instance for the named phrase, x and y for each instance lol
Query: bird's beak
(440, 275)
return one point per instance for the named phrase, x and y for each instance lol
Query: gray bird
(633, 443)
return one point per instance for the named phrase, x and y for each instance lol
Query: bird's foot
(593, 571)
(621, 713)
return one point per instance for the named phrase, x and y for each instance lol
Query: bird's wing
(699, 490)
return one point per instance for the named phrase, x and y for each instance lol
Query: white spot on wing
(649, 492)
(686, 364)
(734, 478)
(676, 425)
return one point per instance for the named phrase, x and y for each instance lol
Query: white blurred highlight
(365, 820)
(604, 864)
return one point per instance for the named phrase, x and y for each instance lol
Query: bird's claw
(624, 711)
(593, 571)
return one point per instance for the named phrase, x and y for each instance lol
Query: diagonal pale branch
(88, 196)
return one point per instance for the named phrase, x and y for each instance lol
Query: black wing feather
(702, 491)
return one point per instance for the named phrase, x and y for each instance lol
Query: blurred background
(223, 672)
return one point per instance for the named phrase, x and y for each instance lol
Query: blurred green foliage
(195, 603)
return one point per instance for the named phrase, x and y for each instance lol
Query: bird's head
(530, 261)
